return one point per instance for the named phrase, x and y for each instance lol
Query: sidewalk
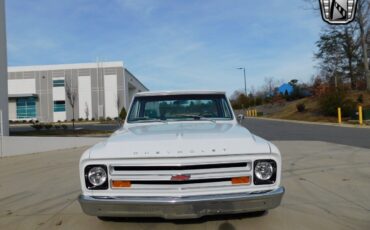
(26, 145)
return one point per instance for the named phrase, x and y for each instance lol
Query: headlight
(97, 176)
(264, 172)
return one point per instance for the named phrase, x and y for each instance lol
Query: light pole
(245, 80)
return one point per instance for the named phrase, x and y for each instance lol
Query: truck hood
(183, 139)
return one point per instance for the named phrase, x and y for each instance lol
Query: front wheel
(105, 218)
(258, 213)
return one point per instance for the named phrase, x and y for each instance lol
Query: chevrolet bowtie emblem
(338, 11)
(180, 177)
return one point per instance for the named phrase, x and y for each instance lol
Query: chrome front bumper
(182, 207)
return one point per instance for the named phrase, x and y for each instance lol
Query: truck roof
(179, 92)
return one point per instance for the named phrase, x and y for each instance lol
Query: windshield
(180, 107)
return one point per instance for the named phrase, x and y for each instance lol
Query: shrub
(122, 114)
(59, 121)
(48, 126)
(332, 99)
(57, 127)
(24, 121)
(301, 107)
(64, 126)
(37, 126)
(360, 99)
(86, 119)
(109, 119)
(80, 119)
(92, 119)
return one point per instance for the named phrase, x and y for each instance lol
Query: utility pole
(245, 80)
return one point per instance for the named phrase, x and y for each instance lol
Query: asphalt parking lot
(280, 130)
(327, 187)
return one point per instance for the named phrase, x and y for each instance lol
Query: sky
(170, 44)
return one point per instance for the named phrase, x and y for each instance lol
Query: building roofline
(65, 66)
(137, 79)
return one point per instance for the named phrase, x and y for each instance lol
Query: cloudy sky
(170, 44)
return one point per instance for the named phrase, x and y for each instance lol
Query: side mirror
(240, 118)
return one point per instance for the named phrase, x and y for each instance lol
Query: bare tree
(87, 112)
(269, 87)
(71, 94)
(362, 30)
(119, 105)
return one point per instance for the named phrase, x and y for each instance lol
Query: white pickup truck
(180, 155)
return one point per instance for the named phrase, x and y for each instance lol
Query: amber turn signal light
(240, 180)
(121, 184)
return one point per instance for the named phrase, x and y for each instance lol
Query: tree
(118, 103)
(330, 55)
(339, 53)
(352, 46)
(293, 82)
(87, 112)
(71, 94)
(269, 86)
(122, 115)
(351, 51)
(363, 21)
(240, 101)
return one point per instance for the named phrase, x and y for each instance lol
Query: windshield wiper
(199, 117)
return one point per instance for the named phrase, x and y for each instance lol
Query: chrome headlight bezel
(89, 182)
(268, 165)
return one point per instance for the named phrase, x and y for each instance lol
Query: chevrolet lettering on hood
(183, 151)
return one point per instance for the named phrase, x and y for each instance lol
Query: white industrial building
(3, 72)
(40, 92)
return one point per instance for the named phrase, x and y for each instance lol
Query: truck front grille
(179, 167)
(158, 178)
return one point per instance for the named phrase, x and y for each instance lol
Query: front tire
(258, 213)
(105, 218)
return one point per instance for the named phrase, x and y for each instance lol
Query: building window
(59, 106)
(58, 83)
(26, 107)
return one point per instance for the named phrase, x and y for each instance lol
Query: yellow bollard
(249, 113)
(339, 116)
(255, 112)
(252, 112)
(360, 115)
